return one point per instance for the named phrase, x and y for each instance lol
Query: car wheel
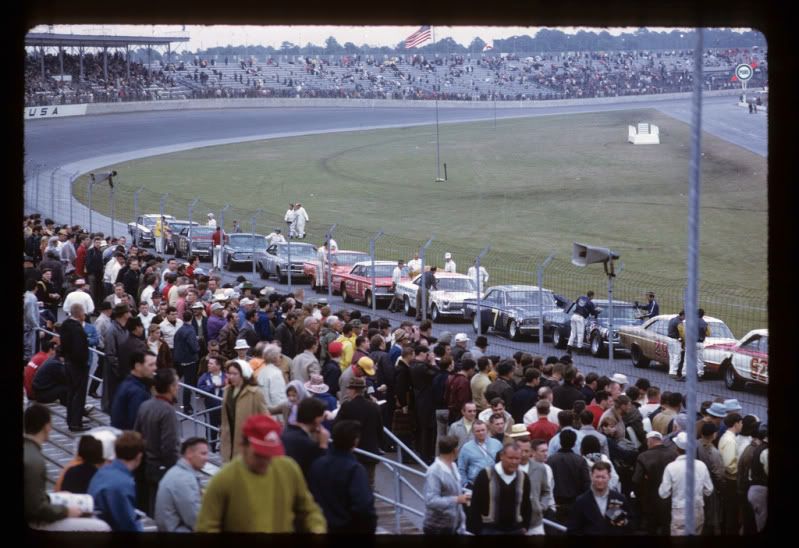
(406, 306)
(435, 315)
(513, 331)
(731, 379)
(558, 339)
(369, 299)
(597, 346)
(638, 358)
(344, 294)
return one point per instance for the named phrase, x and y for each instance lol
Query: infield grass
(529, 187)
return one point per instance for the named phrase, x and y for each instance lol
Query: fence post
(422, 284)
(38, 174)
(91, 186)
(161, 213)
(479, 292)
(540, 283)
(112, 199)
(254, 215)
(222, 216)
(397, 498)
(328, 238)
(191, 214)
(52, 193)
(72, 179)
(288, 247)
(372, 255)
(136, 204)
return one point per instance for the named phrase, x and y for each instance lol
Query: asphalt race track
(85, 143)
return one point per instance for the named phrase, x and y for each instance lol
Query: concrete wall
(190, 104)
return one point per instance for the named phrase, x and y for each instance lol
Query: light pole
(191, 214)
(540, 280)
(583, 255)
(288, 247)
(254, 217)
(479, 292)
(422, 286)
(222, 216)
(136, 204)
(372, 255)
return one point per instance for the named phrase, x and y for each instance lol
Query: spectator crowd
(290, 389)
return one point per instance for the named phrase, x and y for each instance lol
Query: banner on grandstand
(54, 111)
(419, 37)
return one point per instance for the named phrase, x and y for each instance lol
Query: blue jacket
(472, 458)
(263, 326)
(394, 352)
(206, 385)
(132, 392)
(341, 488)
(300, 447)
(186, 348)
(114, 494)
(91, 333)
(585, 519)
(330, 404)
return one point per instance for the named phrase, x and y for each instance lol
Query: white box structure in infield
(644, 134)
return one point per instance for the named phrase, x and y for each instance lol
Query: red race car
(342, 264)
(356, 284)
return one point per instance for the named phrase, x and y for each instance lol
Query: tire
(368, 299)
(435, 315)
(598, 348)
(344, 294)
(406, 306)
(731, 379)
(513, 331)
(263, 272)
(638, 358)
(558, 339)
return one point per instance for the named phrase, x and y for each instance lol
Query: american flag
(419, 37)
(489, 46)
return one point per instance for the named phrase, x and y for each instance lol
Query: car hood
(453, 296)
(619, 322)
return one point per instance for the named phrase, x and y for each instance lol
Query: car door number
(496, 314)
(758, 368)
(661, 349)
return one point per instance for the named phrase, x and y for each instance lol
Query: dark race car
(516, 310)
(238, 250)
(595, 338)
(275, 262)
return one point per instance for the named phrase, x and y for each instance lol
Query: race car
(341, 263)
(173, 229)
(446, 301)
(742, 362)
(650, 342)
(276, 260)
(194, 240)
(356, 285)
(595, 338)
(239, 248)
(141, 231)
(515, 310)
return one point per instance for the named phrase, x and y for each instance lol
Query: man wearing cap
(583, 307)
(646, 480)
(260, 491)
(211, 221)
(368, 413)
(449, 264)
(461, 344)
(674, 485)
(79, 295)
(331, 370)
(713, 415)
(216, 321)
(275, 237)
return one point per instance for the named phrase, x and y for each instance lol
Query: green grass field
(529, 187)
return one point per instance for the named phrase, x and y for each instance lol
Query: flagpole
(438, 151)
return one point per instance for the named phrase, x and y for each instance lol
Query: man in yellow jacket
(260, 491)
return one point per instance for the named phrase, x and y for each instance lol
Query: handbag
(402, 423)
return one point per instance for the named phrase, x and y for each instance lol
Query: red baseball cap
(335, 348)
(263, 434)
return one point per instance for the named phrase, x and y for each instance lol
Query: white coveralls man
(300, 219)
(449, 264)
(291, 219)
(211, 220)
(472, 273)
(583, 307)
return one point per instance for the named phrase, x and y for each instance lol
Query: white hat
(461, 337)
(447, 255)
(217, 306)
(267, 290)
(681, 440)
(241, 344)
(654, 434)
(198, 305)
(620, 378)
(220, 297)
(210, 215)
(246, 301)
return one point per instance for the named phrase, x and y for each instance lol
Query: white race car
(446, 301)
(743, 361)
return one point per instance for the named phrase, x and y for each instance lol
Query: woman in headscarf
(243, 399)
(295, 392)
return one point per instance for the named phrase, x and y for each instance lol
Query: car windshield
(719, 330)
(298, 252)
(177, 226)
(346, 259)
(245, 241)
(149, 222)
(381, 271)
(528, 298)
(201, 231)
(623, 312)
(456, 284)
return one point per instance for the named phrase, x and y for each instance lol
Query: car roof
(620, 303)
(709, 319)
(449, 275)
(184, 221)
(242, 234)
(294, 244)
(377, 263)
(340, 251)
(156, 215)
(761, 332)
(519, 287)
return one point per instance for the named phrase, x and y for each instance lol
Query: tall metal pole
(328, 239)
(288, 246)
(438, 153)
(540, 282)
(254, 216)
(191, 214)
(691, 317)
(422, 286)
(610, 320)
(479, 289)
(372, 255)
(36, 190)
(222, 216)
(91, 184)
(52, 194)
(112, 200)
(136, 204)
(72, 180)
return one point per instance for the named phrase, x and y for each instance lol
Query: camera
(616, 515)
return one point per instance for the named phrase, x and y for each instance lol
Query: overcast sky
(203, 37)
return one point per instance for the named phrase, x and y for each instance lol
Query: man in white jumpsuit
(449, 264)
(414, 266)
(321, 258)
(301, 219)
(275, 237)
(211, 220)
(472, 273)
(291, 219)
